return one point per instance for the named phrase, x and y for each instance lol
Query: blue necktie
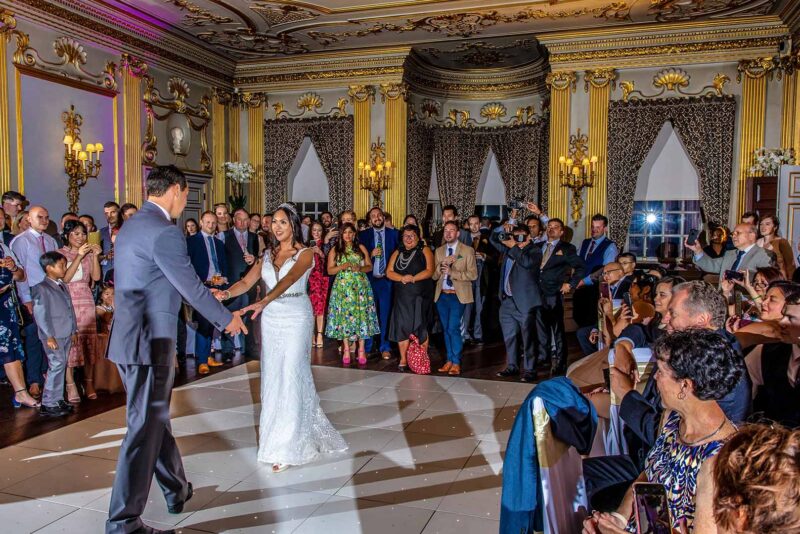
(381, 268)
(213, 254)
(739, 255)
(507, 266)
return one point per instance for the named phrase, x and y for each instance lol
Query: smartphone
(94, 238)
(734, 275)
(737, 303)
(693, 234)
(626, 298)
(605, 291)
(651, 508)
(607, 378)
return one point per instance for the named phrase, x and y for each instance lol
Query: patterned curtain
(518, 156)
(460, 155)
(333, 139)
(706, 127)
(544, 162)
(419, 166)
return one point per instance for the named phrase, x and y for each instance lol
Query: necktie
(381, 258)
(447, 282)
(591, 249)
(213, 249)
(739, 255)
(508, 265)
(547, 251)
(242, 242)
(41, 243)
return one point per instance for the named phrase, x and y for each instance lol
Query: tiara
(289, 207)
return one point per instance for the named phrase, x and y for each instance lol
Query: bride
(293, 428)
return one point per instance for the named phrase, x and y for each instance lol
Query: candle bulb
(99, 148)
(388, 165)
(361, 165)
(68, 140)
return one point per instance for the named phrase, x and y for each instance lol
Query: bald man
(619, 283)
(28, 247)
(747, 256)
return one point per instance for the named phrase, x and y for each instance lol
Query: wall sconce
(375, 176)
(576, 171)
(80, 164)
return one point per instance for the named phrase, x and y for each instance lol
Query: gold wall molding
(310, 104)
(790, 125)
(560, 102)
(393, 91)
(133, 71)
(330, 76)
(361, 93)
(7, 25)
(363, 97)
(198, 116)
(758, 68)
(673, 80)
(492, 114)
(218, 191)
(751, 132)
(599, 79)
(599, 83)
(396, 113)
(560, 81)
(255, 156)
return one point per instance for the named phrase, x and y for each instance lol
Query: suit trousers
(148, 447)
(229, 344)
(473, 310)
(550, 329)
(450, 312)
(35, 360)
(607, 480)
(382, 292)
(516, 324)
(56, 372)
(583, 334)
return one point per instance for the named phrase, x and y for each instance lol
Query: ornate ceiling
(261, 29)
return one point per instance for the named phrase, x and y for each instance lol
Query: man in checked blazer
(746, 256)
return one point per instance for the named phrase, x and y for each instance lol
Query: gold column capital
(561, 80)
(600, 78)
(755, 69)
(393, 91)
(133, 66)
(361, 93)
(7, 23)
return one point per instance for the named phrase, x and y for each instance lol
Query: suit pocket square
(560, 253)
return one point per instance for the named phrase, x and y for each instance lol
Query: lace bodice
(271, 277)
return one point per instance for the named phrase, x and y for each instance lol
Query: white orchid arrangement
(768, 161)
(238, 172)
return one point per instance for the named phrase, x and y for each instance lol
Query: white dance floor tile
(425, 456)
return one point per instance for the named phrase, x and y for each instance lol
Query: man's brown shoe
(212, 362)
(455, 370)
(203, 369)
(446, 367)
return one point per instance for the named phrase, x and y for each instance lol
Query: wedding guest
(306, 220)
(362, 225)
(380, 242)
(28, 247)
(255, 223)
(332, 234)
(68, 216)
(410, 220)
(5, 234)
(190, 227)
(450, 213)
(318, 282)
(387, 220)
(326, 218)
(105, 313)
(108, 234)
(223, 219)
(770, 239)
(746, 255)
(410, 268)
(749, 217)
(88, 222)
(351, 308)
(128, 210)
(11, 349)
(454, 273)
(472, 324)
(55, 320)
(83, 269)
(23, 223)
(14, 206)
(241, 252)
(719, 243)
(754, 291)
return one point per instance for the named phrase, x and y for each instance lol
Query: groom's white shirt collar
(165, 212)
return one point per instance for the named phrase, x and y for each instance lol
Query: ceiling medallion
(197, 16)
(674, 80)
(282, 14)
(675, 10)
(310, 104)
(472, 23)
(248, 40)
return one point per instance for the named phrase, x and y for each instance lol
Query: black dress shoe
(528, 378)
(477, 341)
(178, 507)
(508, 371)
(52, 411)
(144, 529)
(64, 405)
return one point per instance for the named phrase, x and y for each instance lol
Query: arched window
(308, 185)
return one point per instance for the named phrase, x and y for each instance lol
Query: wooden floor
(479, 361)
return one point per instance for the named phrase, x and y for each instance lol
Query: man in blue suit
(153, 274)
(380, 242)
(207, 254)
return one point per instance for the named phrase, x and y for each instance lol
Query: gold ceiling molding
(675, 10)
(600, 78)
(471, 23)
(330, 78)
(361, 93)
(277, 15)
(673, 80)
(758, 68)
(71, 64)
(393, 91)
(239, 99)
(561, 80)
(197, 16)
(493, 114)
(134, 66)
(310, 104)
(198, 116)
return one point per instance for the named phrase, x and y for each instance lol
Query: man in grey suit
(152, 274)
(746, 256)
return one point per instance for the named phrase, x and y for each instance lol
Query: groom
(152, 273)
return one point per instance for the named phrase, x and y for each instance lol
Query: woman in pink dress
(318, 281)
(83, 269)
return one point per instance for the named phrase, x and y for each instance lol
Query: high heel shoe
(72, 393)
(346, 358)
(362, 358)
(319, 341)
(17, 404)
(87, 389)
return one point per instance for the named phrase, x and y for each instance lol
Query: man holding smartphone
(746, 256)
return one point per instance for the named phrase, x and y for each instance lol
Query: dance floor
(425, 457)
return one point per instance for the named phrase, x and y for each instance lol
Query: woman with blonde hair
(770, 239)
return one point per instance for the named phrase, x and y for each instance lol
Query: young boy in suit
(55, 318)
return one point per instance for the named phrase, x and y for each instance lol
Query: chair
(615, 442)
(564, 499)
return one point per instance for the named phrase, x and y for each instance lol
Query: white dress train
(293, 428)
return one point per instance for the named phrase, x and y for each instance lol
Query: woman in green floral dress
(351, 308)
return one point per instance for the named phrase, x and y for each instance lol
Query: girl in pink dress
(83, 269)
(318, 281)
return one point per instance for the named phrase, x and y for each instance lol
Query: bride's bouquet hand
(256, 308)
(219, 294)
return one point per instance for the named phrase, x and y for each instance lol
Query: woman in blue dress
(11, 352)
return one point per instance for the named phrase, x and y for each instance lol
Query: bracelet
(619, 516)
(227, 294)
(757, 297)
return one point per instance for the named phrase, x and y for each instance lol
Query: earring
(681, 395)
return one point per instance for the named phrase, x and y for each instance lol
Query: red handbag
(417, 357)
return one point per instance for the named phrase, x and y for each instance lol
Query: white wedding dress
(293, 428)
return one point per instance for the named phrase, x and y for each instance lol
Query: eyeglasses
(760, 284)
(610, 271)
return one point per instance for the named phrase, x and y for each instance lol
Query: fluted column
(255, 150)
(394, 97)
(133, 70)
(5, 132)
(562, 85)
(790, 127)
(753, 75)
(598, 83)
(362, 96)
(217, 192)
